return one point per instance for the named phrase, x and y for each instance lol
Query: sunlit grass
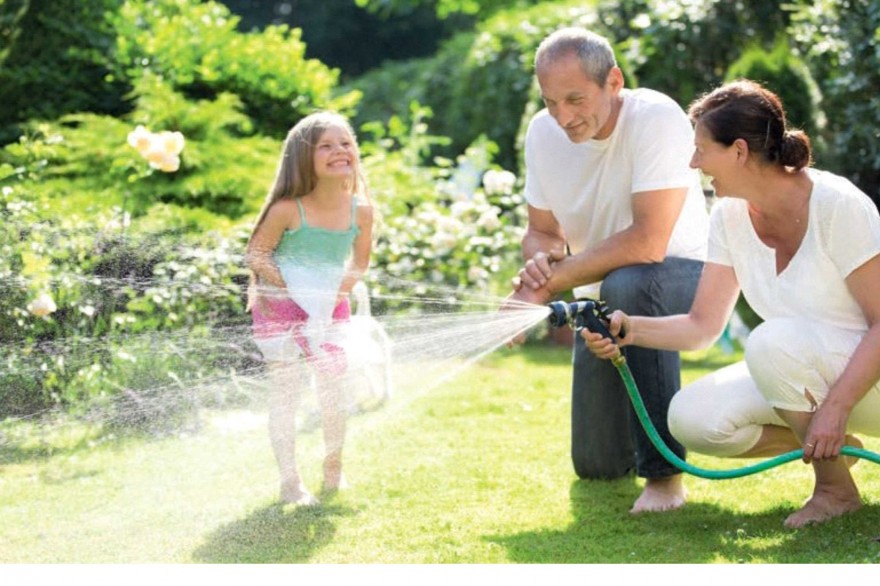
(475, 471)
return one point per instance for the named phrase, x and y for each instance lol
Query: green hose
(672, 458)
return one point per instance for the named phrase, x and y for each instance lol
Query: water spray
(595, 316)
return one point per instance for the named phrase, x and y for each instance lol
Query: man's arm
(644, 241)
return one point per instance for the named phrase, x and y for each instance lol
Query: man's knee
(628, 288)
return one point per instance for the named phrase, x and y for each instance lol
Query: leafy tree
(56, 58)
(267, 70)
(444, 8)
(839, 39)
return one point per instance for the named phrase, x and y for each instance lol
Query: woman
(804, 247)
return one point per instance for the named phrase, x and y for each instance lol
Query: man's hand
(538, 270)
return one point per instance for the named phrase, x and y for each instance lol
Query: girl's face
(714, 160)
(335, 154)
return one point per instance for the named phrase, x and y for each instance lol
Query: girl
(310, 245)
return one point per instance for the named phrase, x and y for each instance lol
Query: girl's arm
(264, 241)
(361, 250)
(828, 427)
(715, 298)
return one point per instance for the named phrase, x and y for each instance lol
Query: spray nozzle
(586, 313)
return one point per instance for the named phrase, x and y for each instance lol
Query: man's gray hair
(592, 50)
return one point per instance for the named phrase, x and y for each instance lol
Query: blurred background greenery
(439, 91)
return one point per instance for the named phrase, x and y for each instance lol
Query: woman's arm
(825, 435)
(715, 298)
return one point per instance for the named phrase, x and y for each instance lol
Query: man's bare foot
(661, 494)
(296, 494)
(825, 505)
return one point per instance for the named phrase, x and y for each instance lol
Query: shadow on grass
(604, 532)
(275, 534)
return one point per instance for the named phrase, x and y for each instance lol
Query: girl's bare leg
(333, 418)
(287, 383)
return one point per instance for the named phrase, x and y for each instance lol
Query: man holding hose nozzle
(607, 178)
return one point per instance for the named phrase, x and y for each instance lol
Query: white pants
(723, 413)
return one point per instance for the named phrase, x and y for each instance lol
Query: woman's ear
(742, 150)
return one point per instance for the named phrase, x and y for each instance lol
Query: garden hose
(594, 316)
(642, 413)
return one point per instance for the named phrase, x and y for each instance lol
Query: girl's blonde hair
(295, 176)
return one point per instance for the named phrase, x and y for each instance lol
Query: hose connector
(584, 313)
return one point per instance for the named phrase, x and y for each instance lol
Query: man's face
(577, 103)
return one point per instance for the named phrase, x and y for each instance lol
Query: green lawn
(475, 471)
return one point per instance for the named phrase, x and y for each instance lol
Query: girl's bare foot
(661, 494)
(296, 494)
(333, 478)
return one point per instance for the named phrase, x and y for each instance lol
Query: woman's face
(714, 160)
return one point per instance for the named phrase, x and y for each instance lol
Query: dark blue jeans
(607, 440)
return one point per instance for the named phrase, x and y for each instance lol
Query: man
(615, 213)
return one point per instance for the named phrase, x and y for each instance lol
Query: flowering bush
(161, 149)
(447, 227)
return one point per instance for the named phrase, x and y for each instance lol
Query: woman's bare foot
(661, 494)
(296, 494)
(824, 506)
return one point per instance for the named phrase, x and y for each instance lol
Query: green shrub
(267, 70)
(83, 164)
(479, 83)
(439, 227)
(684, 48)
(785, 74)
(56, 58)
(839, 40)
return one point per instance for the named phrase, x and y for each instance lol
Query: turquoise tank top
(312, 262)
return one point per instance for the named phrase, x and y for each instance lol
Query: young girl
(310, 245)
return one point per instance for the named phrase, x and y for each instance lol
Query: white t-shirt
(589, 186)
(843, 232)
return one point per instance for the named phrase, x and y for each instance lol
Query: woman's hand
(604, 347)
(826, 434)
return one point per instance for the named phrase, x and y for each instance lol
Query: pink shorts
(279, 336)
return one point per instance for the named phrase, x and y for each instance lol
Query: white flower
(498, 181)
(489, 220)
(140, 138)
(43, 305)
(161, 149)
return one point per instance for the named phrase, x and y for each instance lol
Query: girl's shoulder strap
(354, 208)
(302, 212)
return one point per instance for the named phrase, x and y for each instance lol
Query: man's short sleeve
(664, 143)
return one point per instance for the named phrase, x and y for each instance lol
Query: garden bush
(267, 70)
(55, 58)
(839, 40)
(787, 75)
(479, 83)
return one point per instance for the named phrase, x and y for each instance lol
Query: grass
(473, 472)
